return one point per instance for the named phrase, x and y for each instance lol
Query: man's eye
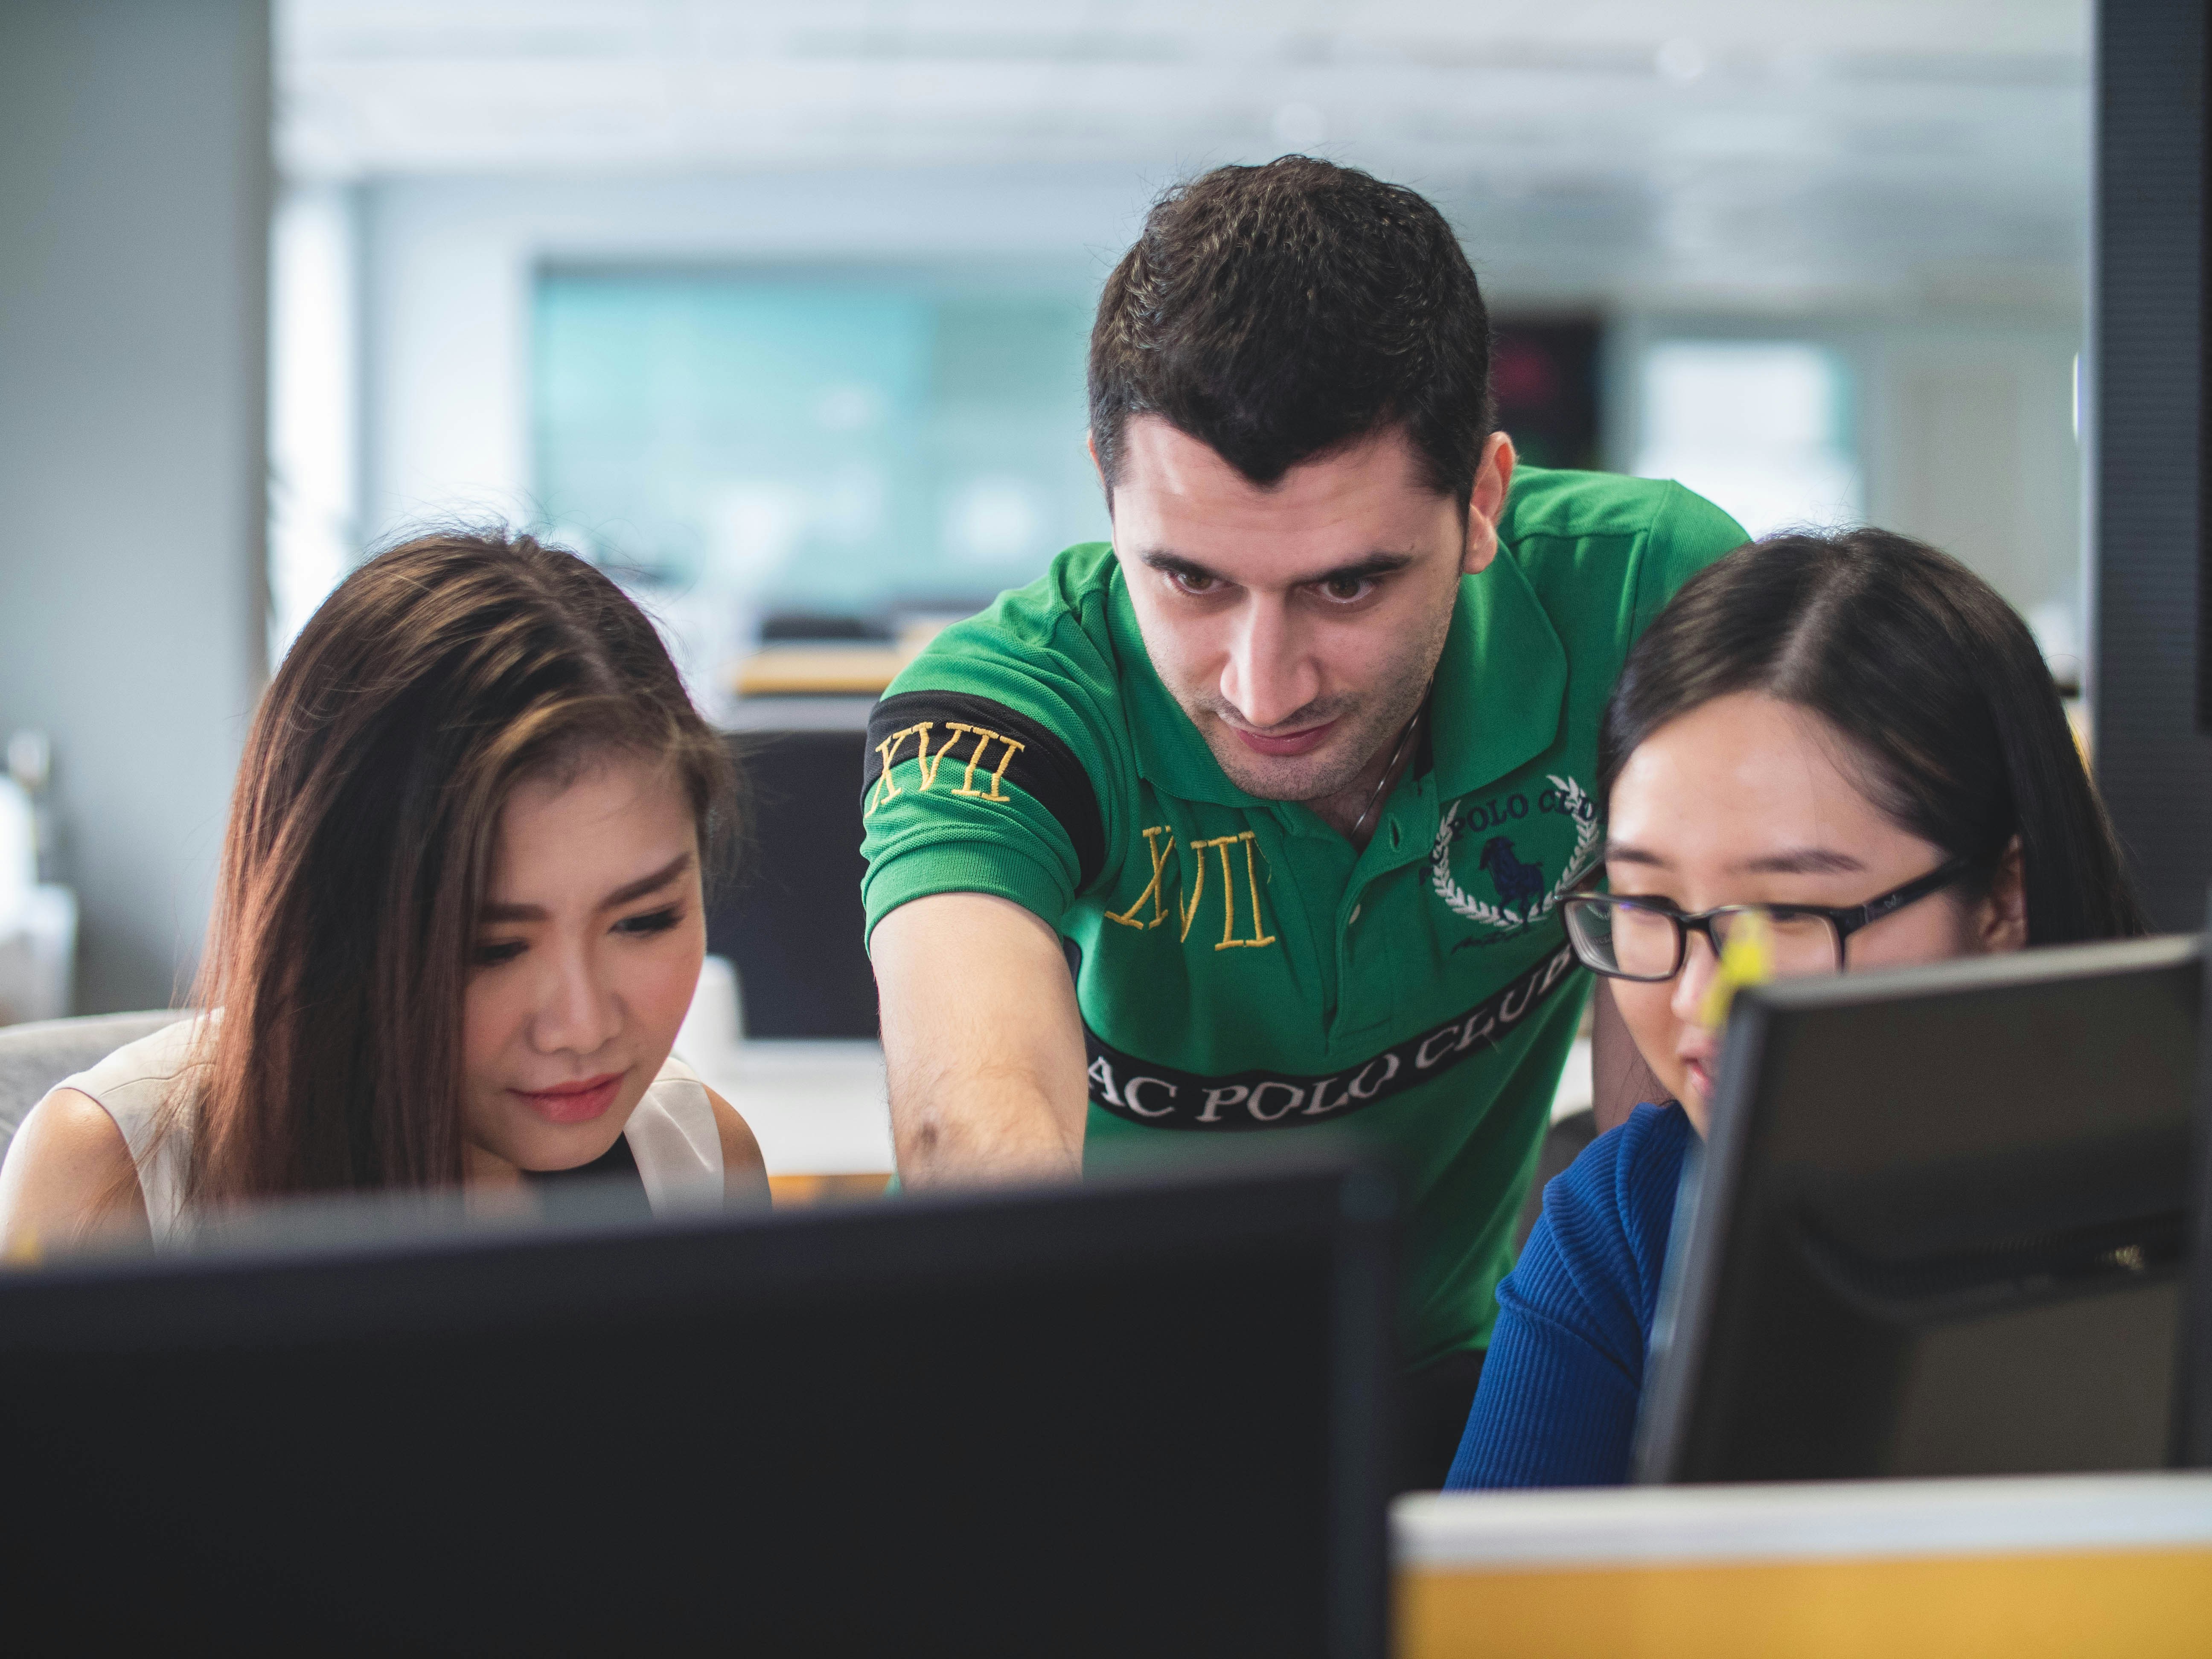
(1188, 582)
(1344, 589)
(491, 953)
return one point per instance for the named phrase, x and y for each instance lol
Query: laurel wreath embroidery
(1496, 915)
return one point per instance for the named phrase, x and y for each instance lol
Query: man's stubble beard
(1374, 722)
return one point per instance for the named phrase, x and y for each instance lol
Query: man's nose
(1269, 677)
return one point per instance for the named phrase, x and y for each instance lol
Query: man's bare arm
(982, 1041)
(1619, 1080)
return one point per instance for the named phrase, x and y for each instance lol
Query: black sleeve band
(1044, 768)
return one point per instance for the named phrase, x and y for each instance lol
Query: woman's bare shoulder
(70, 1128)
(68, 1174)
(744, 1172)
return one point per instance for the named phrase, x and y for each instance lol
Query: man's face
(1297, 625)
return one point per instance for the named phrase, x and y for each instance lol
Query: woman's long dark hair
(1937, 685)
(438, 676)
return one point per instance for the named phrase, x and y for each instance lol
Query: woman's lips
(1701, 1077)
(1294, 743)
(572, 1102)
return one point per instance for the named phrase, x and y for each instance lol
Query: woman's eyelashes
(653, 921)
(490, 953)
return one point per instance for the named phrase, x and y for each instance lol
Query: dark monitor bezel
(1707, 1211)
(360, 1269)
(2193, 1386)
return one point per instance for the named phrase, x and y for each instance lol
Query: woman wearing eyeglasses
(1854, 739)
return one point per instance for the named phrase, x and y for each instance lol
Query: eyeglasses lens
(1803, 946)
(1625, 938)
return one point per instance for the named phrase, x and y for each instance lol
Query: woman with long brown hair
(457, 925)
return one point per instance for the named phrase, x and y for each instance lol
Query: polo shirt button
(1355, 915)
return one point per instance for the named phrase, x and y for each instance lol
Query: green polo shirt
(1244, 970)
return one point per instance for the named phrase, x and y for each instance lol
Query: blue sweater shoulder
(1557, 1405)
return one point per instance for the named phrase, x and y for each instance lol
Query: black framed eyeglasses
(1647, 940)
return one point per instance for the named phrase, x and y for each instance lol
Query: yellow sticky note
(1747, 959)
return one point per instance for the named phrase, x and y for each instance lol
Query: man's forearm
(982, 1043)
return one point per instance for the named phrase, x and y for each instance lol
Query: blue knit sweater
(1557, 1405)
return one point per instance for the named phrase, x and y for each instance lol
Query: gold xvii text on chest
(1156, 904)
(928, 761)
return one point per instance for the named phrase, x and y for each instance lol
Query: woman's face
(587, 952)
(1743, 801)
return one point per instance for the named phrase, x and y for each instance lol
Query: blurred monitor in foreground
(1939, 1227)
(1138, 1417)
(2193, 1438)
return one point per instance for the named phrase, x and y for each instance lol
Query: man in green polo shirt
(1301, 763)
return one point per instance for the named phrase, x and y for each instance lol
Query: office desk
(820, 1110)
(817, 1108)
(2047, 1565)
(819, 671)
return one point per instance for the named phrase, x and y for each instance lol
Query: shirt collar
(1500, 687)
(1502, 683)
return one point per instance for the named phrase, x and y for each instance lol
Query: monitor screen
(1140, 1416)
(1938, 1228)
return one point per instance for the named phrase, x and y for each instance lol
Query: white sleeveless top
(672, 1134)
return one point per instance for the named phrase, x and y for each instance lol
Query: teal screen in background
(836, 440)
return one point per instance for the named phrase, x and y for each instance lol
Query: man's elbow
(919, 1147)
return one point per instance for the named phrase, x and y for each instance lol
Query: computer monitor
(792, 922)
(1938, 1228)
(1145, 1415)
(2193, 1436)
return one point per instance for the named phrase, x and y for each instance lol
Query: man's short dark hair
(1278, 313)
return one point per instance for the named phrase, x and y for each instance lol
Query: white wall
(448, 264)
(1964, 431)
(1970, 439)
(314, 403)
(1963, 412)
(134, 185)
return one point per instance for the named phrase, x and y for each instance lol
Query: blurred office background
(779, 312)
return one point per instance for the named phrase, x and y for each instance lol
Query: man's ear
(1493, 481)
(2003, 922)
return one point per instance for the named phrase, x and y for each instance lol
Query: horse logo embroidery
(1522, 897)
(1518, 885)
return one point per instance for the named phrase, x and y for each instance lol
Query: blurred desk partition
(37, 954)
(817, 1106)
(827, 657)
(818, 1110)
(819, 671)
(2022, 1567)
(790, 919)
(804, 1070)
